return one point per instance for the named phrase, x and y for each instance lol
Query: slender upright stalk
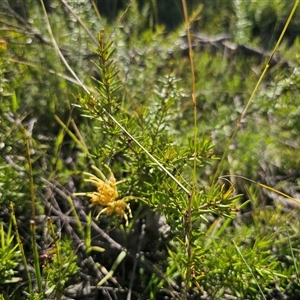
(36, 260)
(20, 244)
(189, 226)
(31, 182)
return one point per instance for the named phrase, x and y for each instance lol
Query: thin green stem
(76, 217)
(31, 181)
(90, 34)
(20, 244)
(250, 270)
(36, 260)
(73, 137)
(292, 253)
(55, 236)
(189, 227)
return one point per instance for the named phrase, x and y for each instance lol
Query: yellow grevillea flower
(107, 194)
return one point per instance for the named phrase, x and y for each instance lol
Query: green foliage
(9, 256)
(135, 114)
(59, 267)
(264, 21)
(266, 246)
(158, 123)
(12, 187)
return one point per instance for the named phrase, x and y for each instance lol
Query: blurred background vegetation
(46, 143)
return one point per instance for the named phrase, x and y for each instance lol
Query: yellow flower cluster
(107, 194)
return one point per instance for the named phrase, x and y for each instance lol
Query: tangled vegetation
(183, 116)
